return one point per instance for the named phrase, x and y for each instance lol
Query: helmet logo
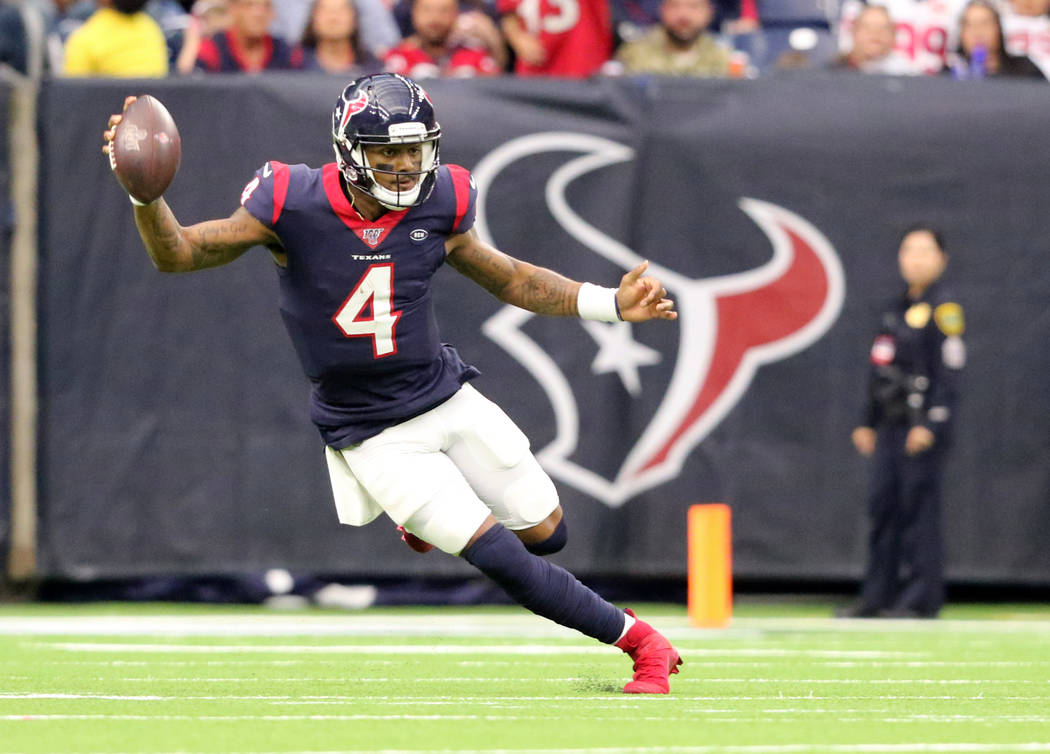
(353, 107)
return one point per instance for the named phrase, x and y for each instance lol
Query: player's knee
(552, 544)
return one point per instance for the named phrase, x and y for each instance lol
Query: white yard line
(721, 717)
(614, 699)
(863, 748)
(439, 649)
(870, 682)
(525, 625)
(242, 718)
(247, 662)
(452, 623)
(710, 661)
(350, 678)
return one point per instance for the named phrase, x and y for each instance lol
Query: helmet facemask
(359, 172)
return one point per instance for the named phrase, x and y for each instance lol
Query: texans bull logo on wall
(729, 325)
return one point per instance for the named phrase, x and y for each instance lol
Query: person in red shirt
(571, 38)
(436, 49)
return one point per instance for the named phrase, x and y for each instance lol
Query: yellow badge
(918, 315)
(949, 318)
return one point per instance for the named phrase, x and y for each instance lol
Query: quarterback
(356, 245)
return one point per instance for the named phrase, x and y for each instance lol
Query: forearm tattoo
(177, 249)
(546, 292)
(161, 234)
(519, 283)
(217, 242)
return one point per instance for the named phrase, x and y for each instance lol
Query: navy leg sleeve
(552, 544)
(543, 587)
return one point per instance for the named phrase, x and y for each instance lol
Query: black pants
(905, 552)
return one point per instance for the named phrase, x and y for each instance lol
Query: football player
(357, 243)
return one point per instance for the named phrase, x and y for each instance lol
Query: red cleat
(414, 542)
(654, 658)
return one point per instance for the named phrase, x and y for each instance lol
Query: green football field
(782, 679)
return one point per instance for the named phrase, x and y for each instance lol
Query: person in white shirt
(1026, 25)
(871, 49)
(926, 30)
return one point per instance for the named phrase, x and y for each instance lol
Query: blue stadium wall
(174, 430)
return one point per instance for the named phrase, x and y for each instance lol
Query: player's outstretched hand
(642, 297)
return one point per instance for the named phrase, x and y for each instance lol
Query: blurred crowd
(562, 38)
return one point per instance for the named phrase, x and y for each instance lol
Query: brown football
(146, 149)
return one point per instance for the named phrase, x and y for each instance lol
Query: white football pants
(440, 474)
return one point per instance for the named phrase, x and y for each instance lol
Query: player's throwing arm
(144, 151)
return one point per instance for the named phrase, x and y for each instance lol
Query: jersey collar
(371, 232)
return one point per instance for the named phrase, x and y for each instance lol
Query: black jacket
(915, 364)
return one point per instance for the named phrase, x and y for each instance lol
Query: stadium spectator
(119, 39)
(60, 19)
(14, 42)
(477, 23)
(915, 362)
(436, 48)
(477, 26)
(925, 30)
(378, 30)
(173, 19)
(871, 48)
(332, 40)
(247, 45)
(207, 18)
(1026, 24)
(982, 48)
(572, 38)
(679, 45)
(633, 18)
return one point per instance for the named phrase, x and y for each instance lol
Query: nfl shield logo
(371, 236)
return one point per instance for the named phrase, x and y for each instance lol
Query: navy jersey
(916, 360)
(355, 295)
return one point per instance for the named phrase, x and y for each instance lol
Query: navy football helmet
(386, 108)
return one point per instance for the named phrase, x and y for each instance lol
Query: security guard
(916, 360)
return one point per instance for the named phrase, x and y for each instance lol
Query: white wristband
(595, 302)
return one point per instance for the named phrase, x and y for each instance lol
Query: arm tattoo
(546, 292)
(160, 234)
(209, 244)
(217, 242)
(491, 271)
(515, 282)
